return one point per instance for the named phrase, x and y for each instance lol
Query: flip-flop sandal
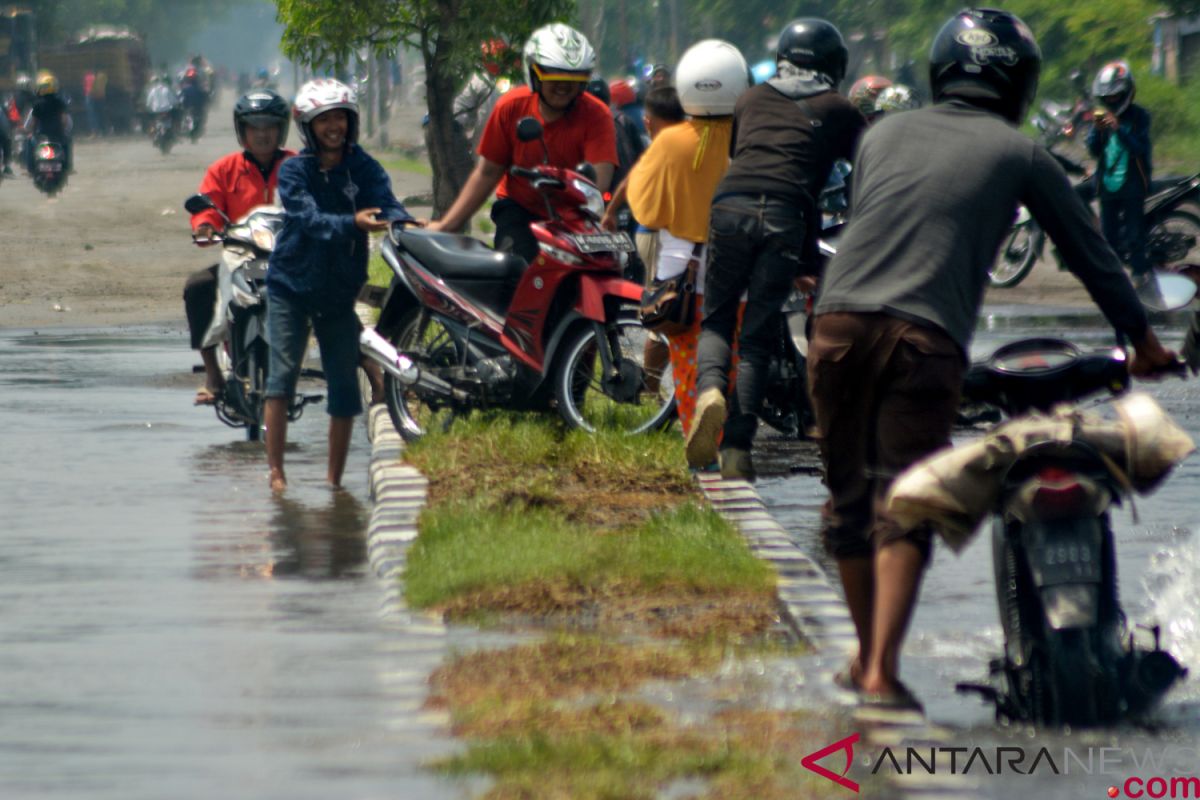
(204, 397)
(902, 700)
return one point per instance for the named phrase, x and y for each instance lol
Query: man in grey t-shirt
(933, 192)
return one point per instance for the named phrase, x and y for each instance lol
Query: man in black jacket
(787, 133)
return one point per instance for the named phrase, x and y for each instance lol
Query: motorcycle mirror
(586, 170)
(197, 203)
(1167, 291)
(529, 129)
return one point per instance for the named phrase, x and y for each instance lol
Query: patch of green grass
(378, 271)
(464, 548)
(399, 163)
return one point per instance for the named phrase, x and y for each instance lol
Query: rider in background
(578, 127)
(49, 117)
(194, 98)
(236, 183)
(1120, 141)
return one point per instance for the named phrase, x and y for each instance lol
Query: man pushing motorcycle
(898, 305)
(578, 127)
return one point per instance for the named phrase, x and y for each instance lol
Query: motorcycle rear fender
(400, 297)
(593, 291)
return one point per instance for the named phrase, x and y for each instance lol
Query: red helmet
(190, 72)
(865, 92)
(621, 92)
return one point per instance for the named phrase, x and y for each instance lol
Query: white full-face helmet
(558, 52)
(710, 77)
(321, 95)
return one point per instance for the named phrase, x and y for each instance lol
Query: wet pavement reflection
(167, 627)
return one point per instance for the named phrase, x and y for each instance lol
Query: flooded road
(956, 629)
(167, 627)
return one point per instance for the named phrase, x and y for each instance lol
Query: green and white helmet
(558, 52)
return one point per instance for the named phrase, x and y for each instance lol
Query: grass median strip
(529, 519)
(605, 543)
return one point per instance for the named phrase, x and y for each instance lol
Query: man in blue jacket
(334, 195)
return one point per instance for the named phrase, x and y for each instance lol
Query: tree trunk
(449, 152)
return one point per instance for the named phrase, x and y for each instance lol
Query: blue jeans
(288, 324)
(756, 246)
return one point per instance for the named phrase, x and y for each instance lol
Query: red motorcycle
(464, 326)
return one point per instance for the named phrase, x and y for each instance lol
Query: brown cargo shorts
(885, 393)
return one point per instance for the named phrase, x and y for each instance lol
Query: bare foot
(278, 482)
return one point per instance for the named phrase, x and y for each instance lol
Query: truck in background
(119, 54)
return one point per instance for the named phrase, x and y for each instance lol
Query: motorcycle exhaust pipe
(400, 366)
(1153, 674)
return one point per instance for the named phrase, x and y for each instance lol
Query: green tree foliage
(447, 33)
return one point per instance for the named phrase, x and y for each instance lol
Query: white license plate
(50, 166)
(604, 242)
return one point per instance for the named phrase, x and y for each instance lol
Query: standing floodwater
(168, 629)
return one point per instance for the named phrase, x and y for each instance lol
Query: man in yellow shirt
(671, 187)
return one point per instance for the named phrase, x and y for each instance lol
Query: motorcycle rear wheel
(626, 404)
(1020, 252)
(430, 345)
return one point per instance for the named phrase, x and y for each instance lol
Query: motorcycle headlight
(264, 238)
(593, 198)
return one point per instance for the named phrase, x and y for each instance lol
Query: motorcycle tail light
(46, 152)
(1059, 493)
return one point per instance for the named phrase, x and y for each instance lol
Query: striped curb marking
(814, 609)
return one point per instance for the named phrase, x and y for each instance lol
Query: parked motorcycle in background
(464, 326)
(239, 326)
(1172, 219)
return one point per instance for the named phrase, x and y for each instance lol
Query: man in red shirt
(578, 127)
(236, 183)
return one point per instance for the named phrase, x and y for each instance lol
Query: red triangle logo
(809, 762)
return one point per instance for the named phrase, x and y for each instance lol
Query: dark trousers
(1122, 220)
(512, 229)
(884, 395)
(756, 246)
(199, 302)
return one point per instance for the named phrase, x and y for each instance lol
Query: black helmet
(1114, 87)
(258, 108)
(988, 54)
(599, 88)
(814, 44)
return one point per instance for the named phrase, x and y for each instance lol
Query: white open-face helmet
(558, 52)
(710, 77)
(321, 95)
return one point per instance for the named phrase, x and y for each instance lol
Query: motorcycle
(49, 165)
(464, 327)
(1069, 655)
(1173, 231)
(162, 132)
(240, 321)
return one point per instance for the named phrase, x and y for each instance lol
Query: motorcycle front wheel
(1174, 240)
(631, 399)
(1020, 252)
(426, 341)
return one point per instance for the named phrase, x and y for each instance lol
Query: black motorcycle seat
(455, 256)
